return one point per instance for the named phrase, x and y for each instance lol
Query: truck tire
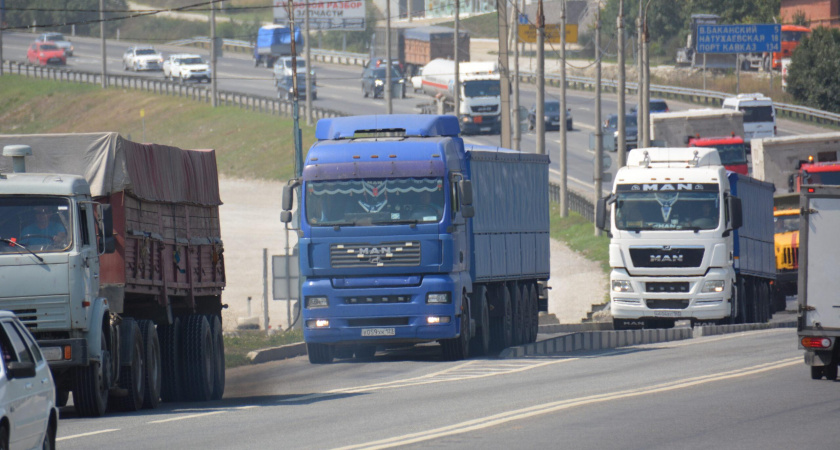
(151, 357)
(817, 372)
(197, 348)
(526, 313)
(501, 325)
(218, 356)
(830, 371)
(458, 348)
(170, 361)
(518, 315)
(61, 397)
(90, 392)
(320, 353)
(480, 343)
(535, 310)
(133, 376)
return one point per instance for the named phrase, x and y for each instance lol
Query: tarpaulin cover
(113, 164)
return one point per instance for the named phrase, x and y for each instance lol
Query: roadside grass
(483, 26)
(578, 234)
(248, 145)
(240, 343)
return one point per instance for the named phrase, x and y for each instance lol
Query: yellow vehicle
(786, 222)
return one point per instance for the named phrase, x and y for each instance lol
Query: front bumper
(55, 351)
(691, 304)
(481, 124)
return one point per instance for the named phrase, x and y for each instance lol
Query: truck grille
(667, 304)
(386, 254)
(670, 288)
(667, 256)
(378, 322)
(790, 257)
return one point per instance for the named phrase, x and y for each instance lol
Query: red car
(44, 53)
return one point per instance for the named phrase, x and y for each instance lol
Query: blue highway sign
(739, 38)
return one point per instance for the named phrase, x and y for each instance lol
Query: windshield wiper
(16, 244)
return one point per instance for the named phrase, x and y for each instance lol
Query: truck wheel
(480, 343)
(518, 315)
(458, 348)
(501, 325)
(170, 361)
(61, 397)
(218, 356)
(151, 358)
(132, 377)
(90, 393)
(817, 372)
(320, 353)
(830, 371)
(197, 347)
(535, 306)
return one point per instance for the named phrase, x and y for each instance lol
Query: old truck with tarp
(120, 280)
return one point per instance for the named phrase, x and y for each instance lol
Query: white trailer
(673, 129)
(480, 93)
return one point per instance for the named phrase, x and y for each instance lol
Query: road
(339, 88)
(746, 390)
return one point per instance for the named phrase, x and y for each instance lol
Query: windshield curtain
(42, 224)
(732, 154)
(757, 114)
(667, 210)
(482, 88)
(374, 201)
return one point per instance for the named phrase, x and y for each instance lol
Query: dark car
(552, 116)
(657, 105)
(373, 82)
(284, 88)
(631, 131)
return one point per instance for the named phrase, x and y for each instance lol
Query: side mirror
(286, 216)
(107, 221)
(288, 197)
(465, 192)
(736, 216)
(21, 370)
(601, 213)
(467, 211)
(791, 183)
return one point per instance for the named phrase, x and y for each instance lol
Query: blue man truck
(409, 236)
(273, 42)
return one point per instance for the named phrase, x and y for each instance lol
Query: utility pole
(102, 37)
(307, 67)
(564, 204)
(501, 7)
(640, 117)
(389, 107)
(621, 149)
(517, 133)
(599, 139)
(295, 105)
(457, 38)
(646, 56)
(539, 119)
(214, 74)
(2, 13)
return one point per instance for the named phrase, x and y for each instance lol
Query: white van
(759, 114)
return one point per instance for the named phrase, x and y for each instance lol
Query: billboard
(323, 15)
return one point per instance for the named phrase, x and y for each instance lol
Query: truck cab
(731, 149)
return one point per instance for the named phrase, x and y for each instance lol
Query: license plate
(667, 314)
(485, 128)
(379, 331)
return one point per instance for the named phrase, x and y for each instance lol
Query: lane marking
(547, 408)
(92, 433)
(191, 416)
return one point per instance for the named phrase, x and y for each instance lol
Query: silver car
(631, 132)
(28, 412)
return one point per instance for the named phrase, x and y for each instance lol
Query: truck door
(821, 280)
(460, 243)
(88, 251)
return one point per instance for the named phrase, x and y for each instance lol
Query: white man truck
(480, 93)
(819, 307)
(681, 248)
(110, 253)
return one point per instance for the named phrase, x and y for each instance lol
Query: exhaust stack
(18, 154)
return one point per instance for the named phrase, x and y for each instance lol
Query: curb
(602, 340)
(277, 353)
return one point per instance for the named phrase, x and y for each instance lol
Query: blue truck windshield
(41, 224)
(374, 201)
(641, 210)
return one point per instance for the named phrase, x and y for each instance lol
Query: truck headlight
(438, 297)
(317, 302)
(378, 83)
(714, 286)
(622, 286)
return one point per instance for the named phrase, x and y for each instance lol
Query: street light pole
(599, 131)
(389, 107)
(621, 145)
(539, 118)
(564, 204)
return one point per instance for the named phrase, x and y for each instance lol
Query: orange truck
(792, 35)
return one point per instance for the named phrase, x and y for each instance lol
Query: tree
(57, 12)
(814, 74)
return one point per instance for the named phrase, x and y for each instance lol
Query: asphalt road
(339, 88)
(739, 391)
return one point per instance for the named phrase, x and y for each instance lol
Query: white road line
(547, 408)
(92, 433)
(191, 416)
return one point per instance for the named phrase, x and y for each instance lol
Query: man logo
(666, 258)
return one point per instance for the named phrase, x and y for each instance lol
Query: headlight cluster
(378, 82)
(714, 286)
(317, 302)
(622, 286)
(438, 297)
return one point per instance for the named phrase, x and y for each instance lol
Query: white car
(28, 413)
(142, 58)
(59, 40)
(186, 67)
(283, 68)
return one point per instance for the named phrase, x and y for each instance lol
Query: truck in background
(127, 307)
(480, 93)
(721, 129)
(818, 325)
(789, 161)
(413, 48)
(689, 241)
(792, 35)
(409, 236)
(273, 42)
